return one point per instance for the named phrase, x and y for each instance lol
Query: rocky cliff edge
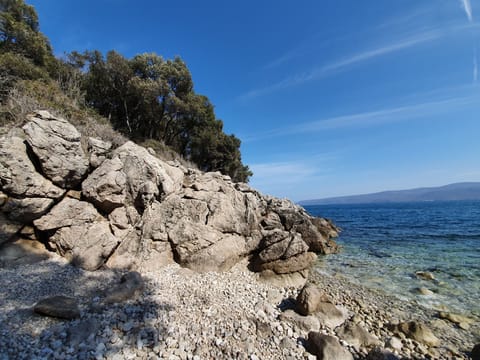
(125, 208)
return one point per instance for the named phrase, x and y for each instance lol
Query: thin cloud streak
(344, 64)
(367, 55)
(467, 7)
(372, 118)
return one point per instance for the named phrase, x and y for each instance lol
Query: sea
(384, 245)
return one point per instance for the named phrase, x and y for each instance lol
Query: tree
(19, 33)
(147, 97)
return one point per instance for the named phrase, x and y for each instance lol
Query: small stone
(394, 343)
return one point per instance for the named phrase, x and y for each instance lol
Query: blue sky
(329, 98)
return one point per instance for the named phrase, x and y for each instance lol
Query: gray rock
(81, 233)
(327, 347)
(309, 299)
(18, 174)
(26, 195)
(304, 323)
(98, 150)
(331, 315)
(68, 212)
(27, 209)
(357, 336)
(56, 143)
(423, 291)
(293, 264)
(58, 306)
(87, 246)
(106, 187)
(118, 181)
(416, 331)
(157, 211)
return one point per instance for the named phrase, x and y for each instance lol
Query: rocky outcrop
(56, 144)
(136, 211)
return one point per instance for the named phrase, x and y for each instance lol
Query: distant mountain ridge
(451, 192)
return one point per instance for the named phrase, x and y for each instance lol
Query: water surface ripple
(385, 244)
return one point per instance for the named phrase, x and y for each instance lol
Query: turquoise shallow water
(385, 244)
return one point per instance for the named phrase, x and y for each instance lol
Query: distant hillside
(457, 191)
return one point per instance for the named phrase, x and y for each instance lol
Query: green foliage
(147, 98)
(19, 33)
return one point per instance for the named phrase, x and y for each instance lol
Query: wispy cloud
(291, 178)
(345, 63)
(384, 50)
(408, 112)
(467, 7)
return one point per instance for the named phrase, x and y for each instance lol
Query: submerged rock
(425, 275)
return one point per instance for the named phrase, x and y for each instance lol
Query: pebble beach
(180, 314)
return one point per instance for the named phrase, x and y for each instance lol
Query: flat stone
(59, 306)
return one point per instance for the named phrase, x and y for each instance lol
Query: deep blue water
(385, 244)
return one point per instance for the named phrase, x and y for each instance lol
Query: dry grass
(28, 96)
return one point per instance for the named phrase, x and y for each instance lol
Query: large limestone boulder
(68, 212)
(17, 172)
(81, 234)
(87, 246)
(26, 194)
(56, 144)
(118, 181)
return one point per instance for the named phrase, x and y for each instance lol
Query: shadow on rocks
(111, 324)
(287, 304)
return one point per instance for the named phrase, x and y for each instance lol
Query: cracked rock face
(56, 143)
(139, 212)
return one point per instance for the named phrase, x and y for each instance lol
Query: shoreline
(377, 308)
(186, 315)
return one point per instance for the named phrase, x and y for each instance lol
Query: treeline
(146, 98)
